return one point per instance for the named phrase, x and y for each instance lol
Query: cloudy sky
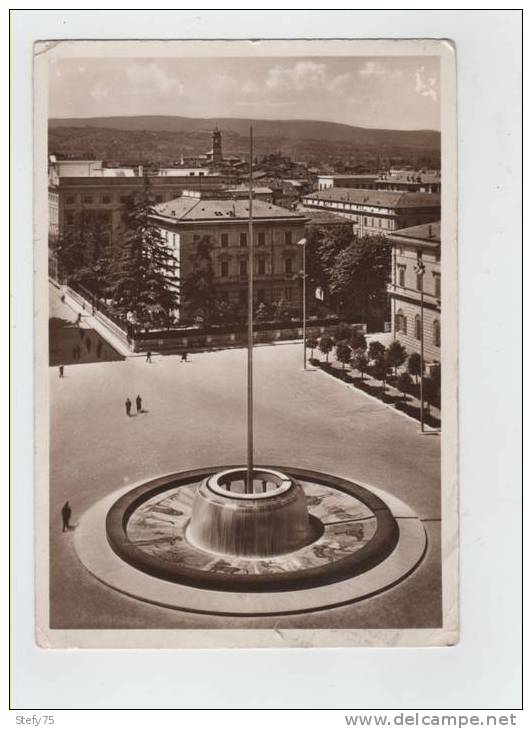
(392, 93)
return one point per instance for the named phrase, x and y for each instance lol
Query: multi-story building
(376, 212)
(188, 219)
(410, 247)
(406, 181)
(325, 182)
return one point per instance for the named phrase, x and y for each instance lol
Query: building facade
(278, 259)
(363, 182)
(410, 247)
(376, 212)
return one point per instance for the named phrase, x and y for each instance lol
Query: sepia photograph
(246, 343)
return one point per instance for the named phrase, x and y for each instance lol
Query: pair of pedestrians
(129, 404)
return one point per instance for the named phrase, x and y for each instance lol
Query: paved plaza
(195, 416)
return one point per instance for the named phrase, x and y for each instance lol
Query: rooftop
(349, 177)
(382, 198)
(187, 208)
(324, 217)
(427, 232)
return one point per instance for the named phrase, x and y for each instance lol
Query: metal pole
(422, 360)
(305, 305)
(249, 474)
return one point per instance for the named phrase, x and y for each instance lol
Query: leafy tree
(360, 362)
(262, 312)
(432, 387)
(404, 383)
(312, 343)
(142, 277)
(358, 340)
(359, 274)
(199, 290)
(326, 343)
(343, 353)
(414, 365)
(323, 245)
(381, 370)
(396, 355)
(376, 350)
(83, 251)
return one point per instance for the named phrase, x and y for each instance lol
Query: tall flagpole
(249, 474)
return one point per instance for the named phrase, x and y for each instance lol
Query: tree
(432, 387)
(358, 276)
(143, 280)
(414, 365)
(82, 251)
(381, 369)
(358, 340)
(263, 312)
(312, 343)
(326, 343)
(199, 290)
(396, 355)
(343, 353)
(360, 362)
(376, 350)
(323, 245)
(404, 383)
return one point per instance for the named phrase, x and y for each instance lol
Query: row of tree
(380, 361)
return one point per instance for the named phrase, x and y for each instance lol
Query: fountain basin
(272, 520)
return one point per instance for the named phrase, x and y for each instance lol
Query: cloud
(426, 86)
(222, 82)
(341, 82)
(151, 78)
(99, 92)
(372, 68)
(302, 75)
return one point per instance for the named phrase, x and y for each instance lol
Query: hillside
(162, 138)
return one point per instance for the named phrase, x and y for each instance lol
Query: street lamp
(303, 242)
(420, 270)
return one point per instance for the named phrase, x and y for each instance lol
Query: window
(87, 199)
(437, 286)
(379, 222)
(243, 267)
(419, 281)
(195, 238)
(224, 269)
(262, 266)
(224, 240)
(106, 199)
(288, 294)
(260, 295)
(288, 265)
(70, 218)
(365, 221)
(243, 239)
(262, 239)
(418, 327)
(400, 322)
(123, 199)
(436, 333)
(70, 200)
(401, 274)
(288, 237)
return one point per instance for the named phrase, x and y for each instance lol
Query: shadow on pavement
(70, 345)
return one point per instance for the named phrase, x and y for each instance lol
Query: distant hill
(159, 138)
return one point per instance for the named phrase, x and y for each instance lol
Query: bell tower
(217, 157)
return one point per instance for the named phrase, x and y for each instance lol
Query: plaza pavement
(196, 417)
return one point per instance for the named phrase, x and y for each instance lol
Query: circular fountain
(271, 520)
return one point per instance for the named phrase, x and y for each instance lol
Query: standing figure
(128, 406)
(139, 403)
(61, 370)
(78, 320)
(148, 357)
(184, 356)
(66, 513)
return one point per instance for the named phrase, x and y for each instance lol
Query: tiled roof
(190, 209)
(382, 198)
(425, 232)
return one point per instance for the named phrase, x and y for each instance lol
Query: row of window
(401, 276)
(243, 239)
(108, 199)
(402, 327)
(261, 267)
(262, 295)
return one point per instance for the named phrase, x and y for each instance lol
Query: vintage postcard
(246, 343)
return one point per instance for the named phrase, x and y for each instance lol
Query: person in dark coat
(66, 513)
(148, 357)
(184, 356)
(128, 406)
(61, 370)
(78, 321)
(139, 403)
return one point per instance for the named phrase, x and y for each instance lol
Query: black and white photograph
(247, 329)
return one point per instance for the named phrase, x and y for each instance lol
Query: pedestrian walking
(78, 321)
(128, 406)
(184, 356)
(66, 513)
(63, 299)
(139, 403)
(61, 370)
(148, 357)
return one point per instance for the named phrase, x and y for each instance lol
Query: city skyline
(374, 92)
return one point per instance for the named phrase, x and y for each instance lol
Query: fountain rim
(284, 481)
